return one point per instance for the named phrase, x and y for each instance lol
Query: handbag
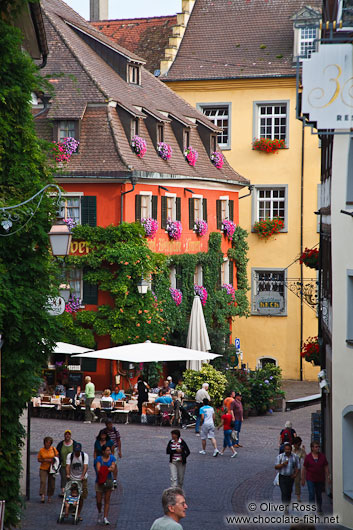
(103, 474)
(234, 436)
(55, 467)
(276, 480)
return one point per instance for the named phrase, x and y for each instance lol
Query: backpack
(286, 436)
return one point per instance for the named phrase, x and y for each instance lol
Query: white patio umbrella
(69, 349)
(147, 352)
(197, 334)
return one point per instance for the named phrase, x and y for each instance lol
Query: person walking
(207, 427)
(237, 415)
(286, 435)
(105, 465)
(142, 390)
(229, 400)
(114, 435)
(178, 452)
(174, 507)
(89, 397)
(299, 452)
(46, 457)
(64, 448)
(76, 469)
(315, 471)
(226, 419)
(200, 396)
(287, 466)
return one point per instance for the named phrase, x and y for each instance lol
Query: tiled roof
(147, 37)
(238, 38)
(89, 88)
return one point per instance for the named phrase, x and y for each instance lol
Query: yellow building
(236, 62)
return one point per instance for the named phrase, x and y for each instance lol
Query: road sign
(237, 344)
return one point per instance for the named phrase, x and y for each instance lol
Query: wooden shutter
(219, 214)
(231, 210)
(191, 213)
(154, 206)
(204, 209)
(231, 272)
(89, 210)
(219, 279)
(164, 212)
(178, 277)
(90, 293)
(137, 207)
(178, 209)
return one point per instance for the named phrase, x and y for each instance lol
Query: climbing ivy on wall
(239, 254)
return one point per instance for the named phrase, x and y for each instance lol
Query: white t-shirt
(207, 412)
(76, 466)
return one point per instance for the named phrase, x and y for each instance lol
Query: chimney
(98, 10)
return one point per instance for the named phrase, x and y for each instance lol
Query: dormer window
(134, 74)
(160, 133)
(186, 138)
(307, 38)
(66, 129)
(306, 24)
(134, 127)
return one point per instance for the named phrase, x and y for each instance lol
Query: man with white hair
(200, 396)
(171, 384)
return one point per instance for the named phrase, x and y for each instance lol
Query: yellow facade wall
(276, 337)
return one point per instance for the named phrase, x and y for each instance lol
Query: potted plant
(310, 258)
(311, 351)
(267, 145)
(73, 305)
(139, 146)
(201, 292)
(268, 227)
(191, 155)
(201, 227)
(150, 225)
(174, 229)
(228, 228)
(63, 150)
(217, 159)
(164, 150)
(230, 290)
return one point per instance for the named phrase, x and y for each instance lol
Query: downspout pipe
(301, 249)
(133, 182)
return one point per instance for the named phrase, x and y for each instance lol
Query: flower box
(150, 225)
(267, 145)
(71, 223)
(230, 290)
(164, 150)
(177, 295)
(202, 293)
(310, 258)
(228, 228)
(139, 146)
(217, 159)
(268, 227)
(174, 229)
(191, 155)
(201, 227)
(311, 351)
(63, 150)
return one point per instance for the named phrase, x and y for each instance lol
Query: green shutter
(231, 210)
(137, 208)
(154, 206)
(164, 212)
(178, 277)
(89, 210)
(231, 272)
(204, 209)
(178, 209)
(90, 293)
(219, 214)
(191, 214)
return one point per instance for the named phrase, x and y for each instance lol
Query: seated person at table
(164, 398)
(166, 387)
(107, 401)
(70, 393)
(117, 395)
(60, 390)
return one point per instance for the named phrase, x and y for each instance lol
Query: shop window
(268, 292)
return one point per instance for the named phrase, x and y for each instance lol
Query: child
(71, 499)
(301, 454)
(227, 430)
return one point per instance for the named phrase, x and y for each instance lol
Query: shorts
(207, 431)
(102, 488)
(84, 489)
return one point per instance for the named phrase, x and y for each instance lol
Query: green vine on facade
(239, 253)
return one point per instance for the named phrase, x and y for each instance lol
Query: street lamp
(142, 286)
(60, 238)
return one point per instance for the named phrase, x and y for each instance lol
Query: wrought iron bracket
(307, 288)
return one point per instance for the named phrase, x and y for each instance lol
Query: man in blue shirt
(164, 398)
(207, 427)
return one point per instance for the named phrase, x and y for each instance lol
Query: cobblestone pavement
(215, 487)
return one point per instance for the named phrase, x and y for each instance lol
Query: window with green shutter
(231, 272)
(154, 206)
(191, 214)
(164, 212)
(178, 209)
(204, 209)
(231, 210)
(89, 210)
(178, 277)
(219, 214)
(137, 208)
(90, 293)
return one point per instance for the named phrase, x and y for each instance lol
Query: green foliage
(239, 253)
(26, 268)
(193, 381)
(152, 372)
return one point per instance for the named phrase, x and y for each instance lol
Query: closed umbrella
(197, 334)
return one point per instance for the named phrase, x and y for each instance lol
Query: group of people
(295, 467)
(73, 467)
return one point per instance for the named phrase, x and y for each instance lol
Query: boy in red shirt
(227, 430)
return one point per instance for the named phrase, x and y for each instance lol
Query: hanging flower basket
(174, 229)
(228, 228)
(310, 258)
(217, 159)
(201, 227)
(268, 227)
(267, 145)
(150, 225)
(164, 150)
(311, 351)
(63, 150)
(71, 223)
(230, 290)
(177, 295)
(139, 146)
(191, 155)
(73, 305)
(202, 293)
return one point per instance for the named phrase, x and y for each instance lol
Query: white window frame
(310, 41)
(173, 196)
(257, 119)
(80, 280)
(254, 272)
(172, 277)
(225, 198)
(149, 205)
(202, 106)
(73, 195)
(134, 74)
(339, 18)
(60, 127)
(199, 198)
(225, 271)
(198, 275)
(256, 200)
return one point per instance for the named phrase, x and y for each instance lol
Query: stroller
(187, 417)
(73, 510)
